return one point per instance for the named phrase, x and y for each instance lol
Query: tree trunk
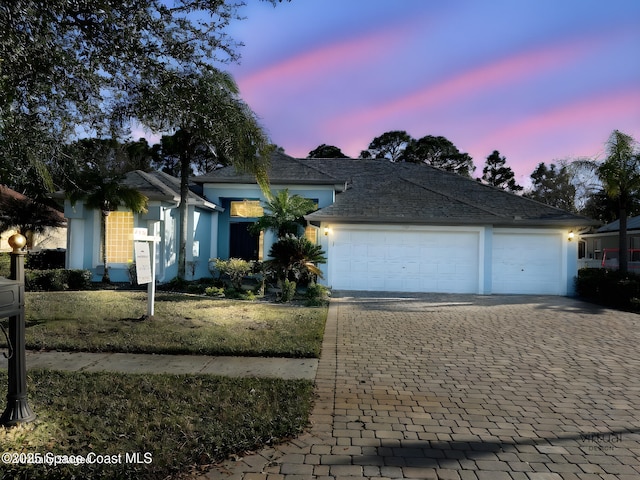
(184, 197)
(623, 257)
(105, 274)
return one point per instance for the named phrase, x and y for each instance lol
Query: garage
(405, 259)
(528, 262)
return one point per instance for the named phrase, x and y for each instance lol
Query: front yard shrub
(288, 291)
(56, 280)
(5, 265)
(235, 268)
(79, 279)
(295, 259)
(45, 280)
(214, 292)
(46, 260)
(609, 287)
(316, 295)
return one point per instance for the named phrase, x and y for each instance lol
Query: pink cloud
(572, 130)
(315, 63)
(605, 109)
(468, 83)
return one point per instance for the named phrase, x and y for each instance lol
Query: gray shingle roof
(283, 170)
(378, 191)
(161, 186)
(633, 223)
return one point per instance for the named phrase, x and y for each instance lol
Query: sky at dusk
(538, 80)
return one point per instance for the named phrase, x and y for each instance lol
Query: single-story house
(383, 226)
(405, 227)
(53, 238)
(600, 248)
(161, 220)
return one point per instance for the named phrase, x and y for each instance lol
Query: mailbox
(12, 306)
(11, 297)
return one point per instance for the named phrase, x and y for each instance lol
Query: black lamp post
(12, 295)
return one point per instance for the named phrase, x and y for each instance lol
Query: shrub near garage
(609, 287)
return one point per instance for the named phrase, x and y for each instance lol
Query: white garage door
(416, 260)
(528, 263)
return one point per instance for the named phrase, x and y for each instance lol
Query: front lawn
(112, 321)
(171, 424)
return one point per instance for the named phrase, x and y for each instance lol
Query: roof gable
(160, 186)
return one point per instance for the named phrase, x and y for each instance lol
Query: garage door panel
(423, 260)
(527, 263)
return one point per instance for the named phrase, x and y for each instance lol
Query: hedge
(57, 279)
(609, 287)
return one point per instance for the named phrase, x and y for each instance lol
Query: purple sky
(538, 80)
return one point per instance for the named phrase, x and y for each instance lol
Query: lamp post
(18, 410)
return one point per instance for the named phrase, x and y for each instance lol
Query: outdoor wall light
(571, 235)
(326, 231)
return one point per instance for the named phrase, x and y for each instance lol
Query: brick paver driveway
(469, 387)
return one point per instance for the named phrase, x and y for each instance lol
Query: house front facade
(406, 227)
(383, 227)
(161, 221)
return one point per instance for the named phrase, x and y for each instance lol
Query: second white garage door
(528, 263)
(408, 260)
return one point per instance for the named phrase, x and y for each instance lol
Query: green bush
(5, 264)
(46, 280)
(316, 295)
(235, 268)
(46, 260)
(79, 279)
(57, 280)
(214, 292)
(608, 287)
(288, 291)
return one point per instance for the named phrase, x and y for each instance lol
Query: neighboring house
(405, 227)
(600, 249)
(161, 220)
(51, 238)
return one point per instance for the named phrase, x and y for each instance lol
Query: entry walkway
(466, 387)
(287, 368)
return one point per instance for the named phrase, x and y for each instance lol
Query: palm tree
(620, 177)
(294, 258)
(208, 111)
(106, 193)
(285, 215)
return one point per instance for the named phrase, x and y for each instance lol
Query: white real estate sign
(143, 262)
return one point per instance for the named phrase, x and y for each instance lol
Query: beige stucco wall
(52, 238)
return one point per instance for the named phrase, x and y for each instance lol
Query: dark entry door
(241, 243)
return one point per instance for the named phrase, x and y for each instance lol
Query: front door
(241, 243)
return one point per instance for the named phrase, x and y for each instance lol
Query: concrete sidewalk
(287, 368)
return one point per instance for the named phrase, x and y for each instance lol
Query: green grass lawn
(178, 424)
(183, 423)
(110, 321)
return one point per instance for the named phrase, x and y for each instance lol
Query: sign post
(145, 251)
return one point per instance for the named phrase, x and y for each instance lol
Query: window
(119, 237)
(311, 234)
(246, 209)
